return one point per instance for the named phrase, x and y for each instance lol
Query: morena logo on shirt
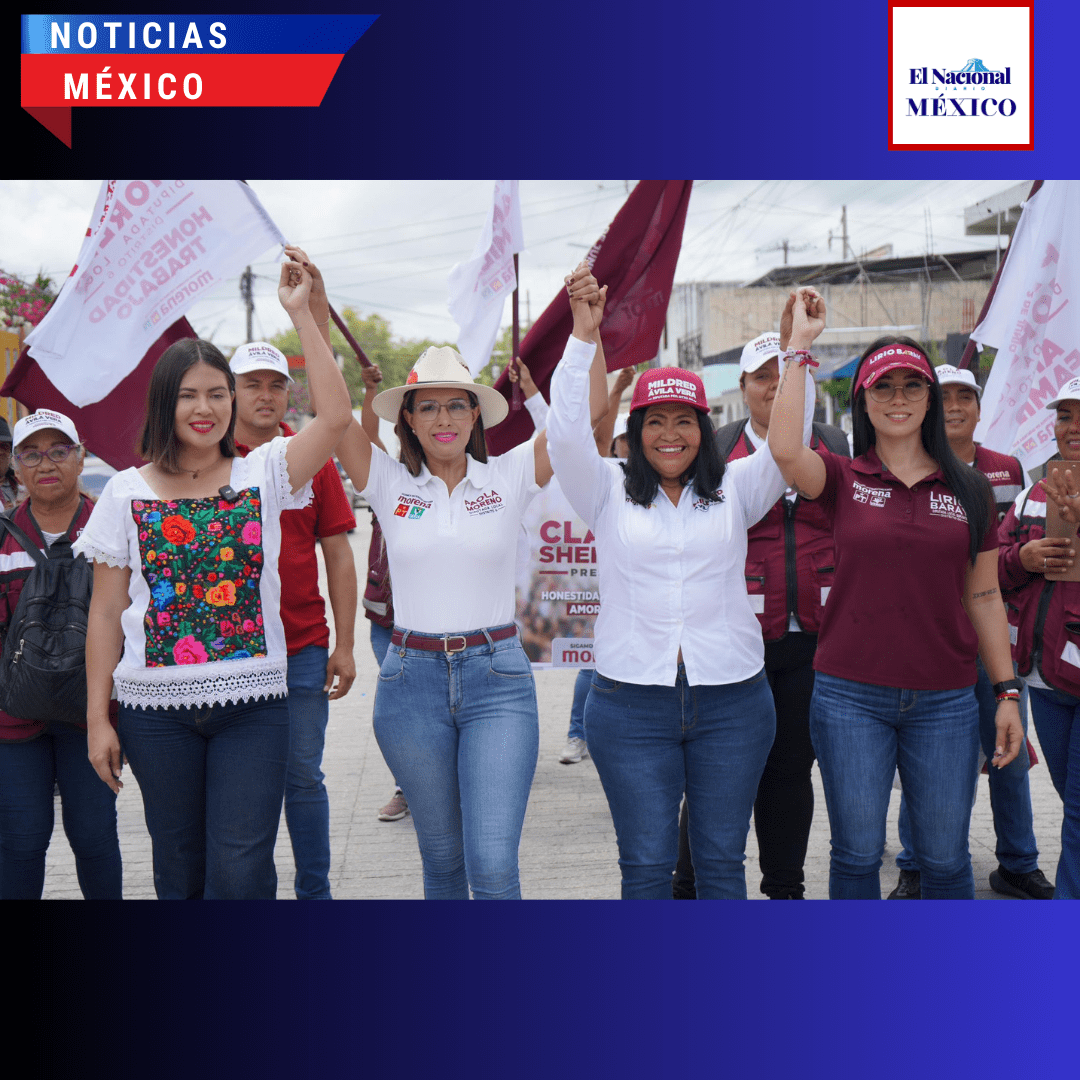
(704, 504)
(410, 506)
(869, 495)
(487, 502)
(1001, 474)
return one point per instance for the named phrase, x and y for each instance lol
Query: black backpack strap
(834, 439)
(728, 436)
(25, 542)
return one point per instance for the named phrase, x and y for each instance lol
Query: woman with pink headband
(915, 598)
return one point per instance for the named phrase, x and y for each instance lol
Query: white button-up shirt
(452, 554)
(672, 576)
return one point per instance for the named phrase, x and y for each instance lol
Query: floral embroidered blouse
(204, 625)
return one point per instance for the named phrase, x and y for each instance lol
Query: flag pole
(339, 322)
(515, 398)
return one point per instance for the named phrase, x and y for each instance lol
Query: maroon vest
(378, 602)
(789, 559)
(1044, 616)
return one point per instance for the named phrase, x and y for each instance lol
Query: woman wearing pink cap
(914, 599)
(680, 701)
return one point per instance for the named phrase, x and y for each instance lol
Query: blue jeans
(1057, 720)
(1010, 793)
(380, 642)
(862, 734)
(28, 771)
(577, 708)
(307, 806)
(652, 743)
(212, 780)
(461, 734)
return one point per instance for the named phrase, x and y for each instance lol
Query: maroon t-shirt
(895, 615)
(303, 612)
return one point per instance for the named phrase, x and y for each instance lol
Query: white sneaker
(575, 751)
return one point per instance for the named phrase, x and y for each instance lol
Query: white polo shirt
(672, 576)
(452, 554)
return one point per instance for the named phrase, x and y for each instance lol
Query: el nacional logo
(938, 101)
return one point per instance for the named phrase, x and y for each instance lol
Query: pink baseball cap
(888, 358)
(658, 386)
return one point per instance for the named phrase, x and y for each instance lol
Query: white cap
(947, 374)
(41, 420)
(259, 356)
(620, 426)
(757, 352)
(1069, 392)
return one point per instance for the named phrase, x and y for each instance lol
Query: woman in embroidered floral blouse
(186, 584)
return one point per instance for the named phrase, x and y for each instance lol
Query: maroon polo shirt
(895, 615)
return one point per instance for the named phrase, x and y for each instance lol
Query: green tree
(394, 356)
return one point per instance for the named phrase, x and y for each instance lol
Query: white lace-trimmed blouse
(204, 624)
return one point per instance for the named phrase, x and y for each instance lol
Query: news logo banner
(961, 76)
(174, 61)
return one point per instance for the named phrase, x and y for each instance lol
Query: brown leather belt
(449, 643)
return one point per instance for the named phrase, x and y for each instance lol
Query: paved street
(568, 845)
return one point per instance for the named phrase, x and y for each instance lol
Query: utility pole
(246, 279)
(843, 233)
(785, 246)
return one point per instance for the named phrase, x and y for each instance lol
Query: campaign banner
(480, 285)
(153, 247)
(1034, 323)
(180, 61)
(558, 584)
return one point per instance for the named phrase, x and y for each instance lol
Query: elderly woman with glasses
(455, 709)
(915, 599)
(36, 755)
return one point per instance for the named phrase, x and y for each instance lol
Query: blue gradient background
(561, 88)
(553, 990)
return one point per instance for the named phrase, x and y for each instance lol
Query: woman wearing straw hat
(455, 709)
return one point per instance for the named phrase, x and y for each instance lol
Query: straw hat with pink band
(669, 385)
(889, 358)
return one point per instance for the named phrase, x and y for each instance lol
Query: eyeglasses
(914, 390)
(31, 459)
(457, 408)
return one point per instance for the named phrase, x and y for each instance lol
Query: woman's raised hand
(587, 301)
(318, 302)
(1060, 485)
(294, 286)
(807, 309)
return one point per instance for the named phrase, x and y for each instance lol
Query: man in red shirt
(316, 676)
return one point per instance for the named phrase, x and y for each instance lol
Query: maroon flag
(109, 428)
(635, 258)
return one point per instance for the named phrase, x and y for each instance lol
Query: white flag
(153, 248)
(479, 286)
(1034, 323)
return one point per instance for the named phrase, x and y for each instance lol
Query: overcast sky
(387, 246)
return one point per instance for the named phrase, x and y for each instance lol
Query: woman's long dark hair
(642, 481)
(967, 484)
(411, 454)
(158, 442)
